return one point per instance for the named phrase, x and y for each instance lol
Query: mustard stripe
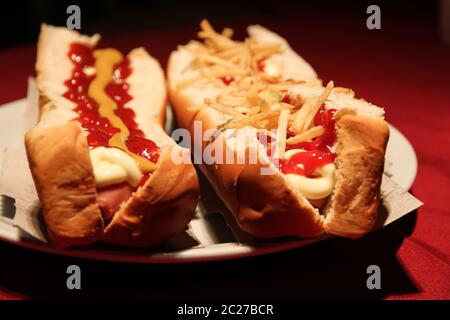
(105, 60)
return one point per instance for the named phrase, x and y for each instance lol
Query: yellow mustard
(105, 60)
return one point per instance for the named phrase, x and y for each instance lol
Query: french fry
(223, 109)
(231, 101)
(254, 98)
(251, 120)
(318, 103)
(212, 79)
(307, 135)
(283, 120)
(300, 118)
(227, 32)
(215, 60)
(229, 53)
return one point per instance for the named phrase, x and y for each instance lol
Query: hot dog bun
(361, 146)
(59, 159)
(270, 205)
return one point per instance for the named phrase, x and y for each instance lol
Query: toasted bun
(66, 184)
(361, 140)
(62, 171)
(360, 149)
(269, 205)
(264, 205)
(161, 208)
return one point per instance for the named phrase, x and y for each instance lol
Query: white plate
(209, 238)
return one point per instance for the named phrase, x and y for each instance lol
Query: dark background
(20, 20)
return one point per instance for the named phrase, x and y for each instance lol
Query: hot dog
(325, 159)
(99, 157)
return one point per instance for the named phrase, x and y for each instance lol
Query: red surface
(402, 67)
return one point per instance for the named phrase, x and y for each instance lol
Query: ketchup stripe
(99, 128)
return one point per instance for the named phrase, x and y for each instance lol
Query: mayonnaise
(313, 188)
(112, 165)
(272, 68)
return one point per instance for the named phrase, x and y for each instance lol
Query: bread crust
(159, 209)
(63, 174)
(62, 171)
(268, 208)
(361, 146)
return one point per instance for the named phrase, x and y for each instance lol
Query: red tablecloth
(402, 67)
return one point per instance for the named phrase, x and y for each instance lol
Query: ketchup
(143, 147)
(286, 99)
(118, 91)
(318, 152)
(227, 80)
(261, 64)
(324, 143)
(305, 163)
(144, 179)
(99, 128)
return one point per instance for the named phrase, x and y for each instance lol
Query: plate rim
(414, 163)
